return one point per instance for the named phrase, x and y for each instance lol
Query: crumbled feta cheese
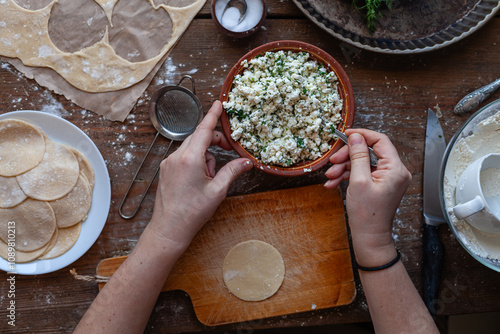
(283, 107)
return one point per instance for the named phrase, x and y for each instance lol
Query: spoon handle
(373, 157)
(472, 100)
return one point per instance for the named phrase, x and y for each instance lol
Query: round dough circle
(66, 239)
(74, 207)
(10, 192)
(85, 166)
(20, 256)
(54, 177)
(34, 224)
(51, 243)
(22, 147)
(253, 270)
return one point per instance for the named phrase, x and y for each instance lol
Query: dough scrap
(66, 239)
(253, 270)
(24, 35)
(22, 146)
(10, 192)
(108, 6)
(54, 177)
(35, 223)
(74, 207)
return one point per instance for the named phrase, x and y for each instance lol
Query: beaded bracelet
(385, 266)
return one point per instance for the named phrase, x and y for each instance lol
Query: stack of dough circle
(45, 193)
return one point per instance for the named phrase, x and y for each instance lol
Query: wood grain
(392, 94)
(306, 225)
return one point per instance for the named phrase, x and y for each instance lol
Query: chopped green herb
(300, 142)
(237, 113)
(372, 10)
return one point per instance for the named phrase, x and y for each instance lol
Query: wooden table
(392, 93)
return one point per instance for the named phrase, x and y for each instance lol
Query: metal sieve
(175, 112)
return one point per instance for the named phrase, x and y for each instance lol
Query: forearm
(394, 303)
(125, 303)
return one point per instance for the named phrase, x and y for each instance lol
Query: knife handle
(433, 262)
(474, 99)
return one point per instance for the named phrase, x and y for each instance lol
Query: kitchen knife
(435, 146)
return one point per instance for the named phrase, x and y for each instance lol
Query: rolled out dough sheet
(92, 72)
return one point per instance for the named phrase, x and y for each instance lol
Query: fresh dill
(372, 10)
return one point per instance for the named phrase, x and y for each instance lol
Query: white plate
(62, 131)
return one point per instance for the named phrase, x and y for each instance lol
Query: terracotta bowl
(345, 92)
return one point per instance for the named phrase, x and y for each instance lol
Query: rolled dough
(85, 167)
(66, 239)
(253, 270)
(20, 256)
(54, 177)
(43, 230)
(10, 192)
(74, 207)
(35, 224)
(22, 147)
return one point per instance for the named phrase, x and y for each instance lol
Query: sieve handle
(192, 82)
(132, 215)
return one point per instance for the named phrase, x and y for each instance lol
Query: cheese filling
(284, 107)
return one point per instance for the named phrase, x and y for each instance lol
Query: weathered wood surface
(392, 94)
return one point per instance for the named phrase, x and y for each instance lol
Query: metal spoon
(373, 157)
(472, 100)
(240, 5)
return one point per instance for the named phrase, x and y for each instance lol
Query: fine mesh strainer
(175, 112)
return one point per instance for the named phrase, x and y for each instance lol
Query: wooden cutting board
(306, 225)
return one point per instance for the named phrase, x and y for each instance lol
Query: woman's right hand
(189, 190)
(373, 195)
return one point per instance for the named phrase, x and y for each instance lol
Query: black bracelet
(385, 266)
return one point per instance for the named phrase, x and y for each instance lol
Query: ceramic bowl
(254, 18)
(345, 92)
(475, 242)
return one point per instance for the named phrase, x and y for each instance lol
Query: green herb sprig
(372, 10)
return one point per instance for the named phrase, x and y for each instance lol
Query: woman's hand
(372, 195)
(189, 191)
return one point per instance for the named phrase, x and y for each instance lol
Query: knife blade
(435, 145)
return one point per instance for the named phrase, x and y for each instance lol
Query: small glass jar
(229, 22)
